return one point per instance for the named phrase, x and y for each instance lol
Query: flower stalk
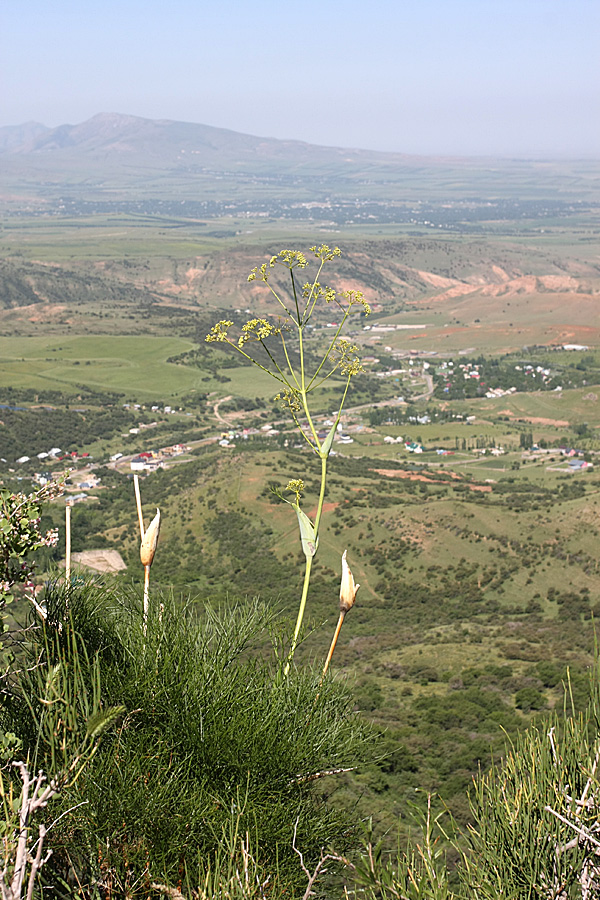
(68, 507)
(149, 541)
(348, 591)
(299, 304)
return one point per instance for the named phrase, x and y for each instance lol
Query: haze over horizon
(468, 77)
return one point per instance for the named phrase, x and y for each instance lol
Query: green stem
(309, 560)
(293, 374)
(306, 317)
(308, 568)
(310, 422)
(275, 363)
(330, 348)
(321, 496)
(301, 430)
(257, 364)
(323, 379)
(298, 321)
(339, 415)
(280, 301)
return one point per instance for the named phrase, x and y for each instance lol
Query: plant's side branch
(313, 387)
(339, 415)
(299, 321)
(281, 303)
(308, 415)
(301, 430)
(256, 363)
(287, 358)
(306, 315)
(580, 830)
(320, 867)
(305, 779)
(32, 799)
(275, 363)
(331, 346)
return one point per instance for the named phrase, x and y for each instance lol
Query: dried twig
(304, 779)
(320, 867)
(34, 796)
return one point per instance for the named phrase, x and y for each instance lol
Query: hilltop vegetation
(474, 599)
(473, 539)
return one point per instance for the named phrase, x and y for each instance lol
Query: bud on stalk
(347, 597)
(347, 588)
(150, 540)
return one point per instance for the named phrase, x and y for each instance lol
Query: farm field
(133, 366)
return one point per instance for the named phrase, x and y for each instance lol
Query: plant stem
(257, 364)
(313, 295)
(334, 642)
(68, 549)
(146, 591)
(321, 496)
(330, 348)
(307, 570)
(305, 586)
(285, 350)
(274, 361)
(298, 319)
(138, 502)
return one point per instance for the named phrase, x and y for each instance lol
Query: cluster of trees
(31, 431)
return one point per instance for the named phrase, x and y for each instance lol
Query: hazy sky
(509, 77)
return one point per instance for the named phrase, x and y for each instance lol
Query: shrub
(212, 735)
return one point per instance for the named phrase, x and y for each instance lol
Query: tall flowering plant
(283, 338)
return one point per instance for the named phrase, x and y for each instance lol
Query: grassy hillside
(477, 564)
(478, 588)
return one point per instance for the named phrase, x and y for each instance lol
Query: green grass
(572, 406)
(135, 366)
(209, 736)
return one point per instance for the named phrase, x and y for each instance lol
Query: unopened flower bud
(150, 540)
(347, 588)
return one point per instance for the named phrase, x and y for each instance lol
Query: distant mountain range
(122, 136)
(113, 155)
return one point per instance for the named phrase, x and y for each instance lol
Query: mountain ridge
(121, 133)
(115, 155)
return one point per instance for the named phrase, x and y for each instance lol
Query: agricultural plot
(133, 366)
